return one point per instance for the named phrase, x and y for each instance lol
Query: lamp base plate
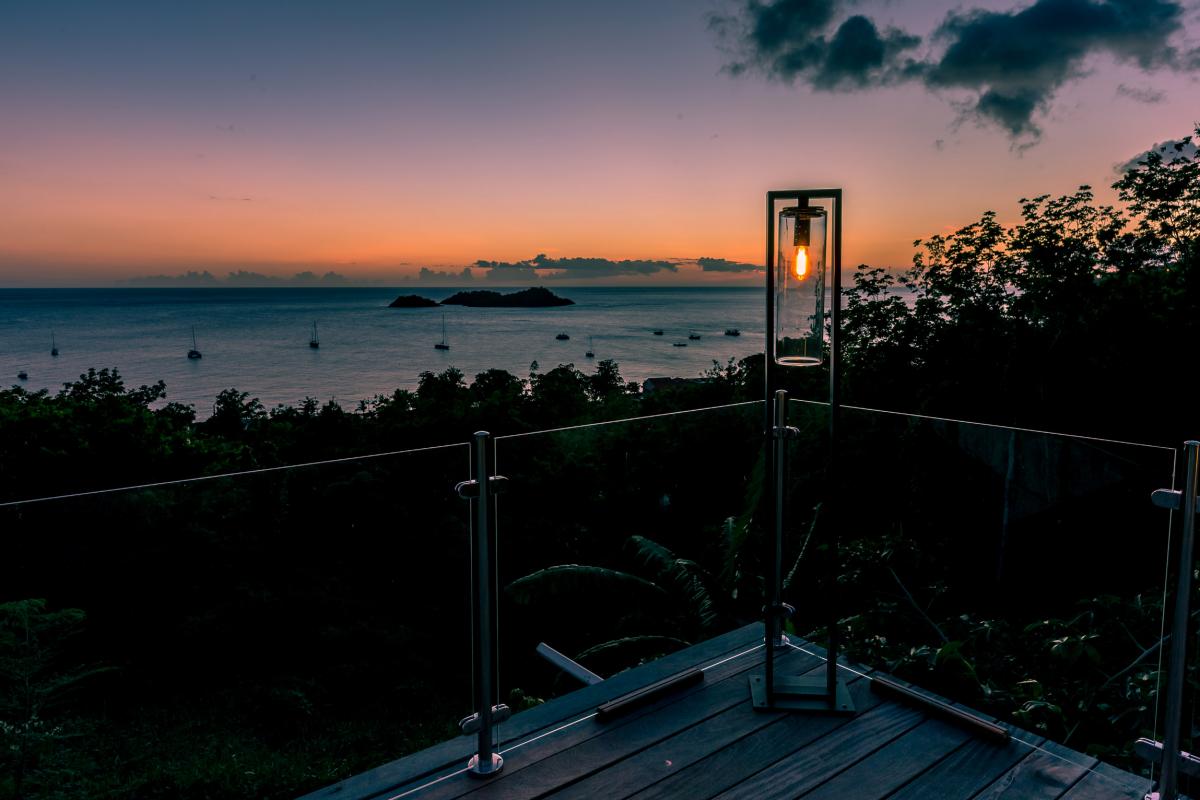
(800, 694)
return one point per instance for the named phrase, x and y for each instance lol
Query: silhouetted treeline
(1080, 318)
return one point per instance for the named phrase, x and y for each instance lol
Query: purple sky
(376, 138)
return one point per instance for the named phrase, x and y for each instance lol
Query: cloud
(435, 276)
(240, 278)
(541, 267)
(1017, 60)
(1011, 64)
(795, 40)
(509, 272)
(308, 278)
(1142, 94)
(246, 278)
(1169, 150)
(725, 265)
(189, 278)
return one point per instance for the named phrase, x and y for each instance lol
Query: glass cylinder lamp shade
(800, 262)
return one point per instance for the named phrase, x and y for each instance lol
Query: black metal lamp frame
(768, 691)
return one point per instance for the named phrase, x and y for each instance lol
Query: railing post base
(487, 769)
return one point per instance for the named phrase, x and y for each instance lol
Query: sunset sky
(376, 138)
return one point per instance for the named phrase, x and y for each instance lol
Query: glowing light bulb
(801, 262)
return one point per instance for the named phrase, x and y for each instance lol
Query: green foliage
(35, 687)
(685, 577)
(626, 653)
(574, 582)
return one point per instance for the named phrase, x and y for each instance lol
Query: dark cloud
(509, 272)
(1011, 63)
(1142, 94)
(794, 40)
(1016, 60)
(1168, 150)
(571, 268)
(725, 265)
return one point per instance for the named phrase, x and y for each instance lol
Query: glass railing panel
(253, 636)
(1020, 573)
(621, 542)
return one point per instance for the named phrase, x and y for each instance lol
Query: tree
(560, 395)
(606, 382)
(1163, 191)
(499, 400)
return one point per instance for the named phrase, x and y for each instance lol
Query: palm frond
(576, 581)
(686, 577)
(616, 655)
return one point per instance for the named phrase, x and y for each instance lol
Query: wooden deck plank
(1106, 782)
(707, 741)
(968, 770)
(453, 754)
(890, 767)
(1047, 773)
(815, 763)
(732, 762)
(591, 746)
(679, 751)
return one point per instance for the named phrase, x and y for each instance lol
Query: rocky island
(412, 301)
(539, 297)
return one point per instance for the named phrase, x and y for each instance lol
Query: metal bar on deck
(939, 708)
(568, 665)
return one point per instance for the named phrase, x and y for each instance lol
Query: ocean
(256, 340)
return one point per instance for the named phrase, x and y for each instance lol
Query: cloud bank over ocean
(537, 269)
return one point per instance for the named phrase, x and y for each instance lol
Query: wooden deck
(707, 742)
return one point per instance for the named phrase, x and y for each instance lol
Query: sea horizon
(255, 339)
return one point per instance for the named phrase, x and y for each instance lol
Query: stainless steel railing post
(486, 761)
(1168, 785)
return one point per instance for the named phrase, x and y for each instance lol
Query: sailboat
(591, 351)
(194, 353)
(53, 345)
(442, 344)
(23, 375)
(313, 341)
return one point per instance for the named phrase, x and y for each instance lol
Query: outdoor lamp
(800, 264)
(804, 252)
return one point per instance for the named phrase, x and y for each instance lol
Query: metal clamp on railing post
(1174, 760)
(486, 761)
